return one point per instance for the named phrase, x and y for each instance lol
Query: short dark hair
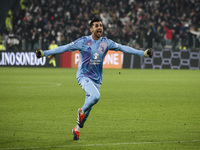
(94, 20)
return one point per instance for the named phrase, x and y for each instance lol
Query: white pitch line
(36, 85)
(48, 85)
(93, 145)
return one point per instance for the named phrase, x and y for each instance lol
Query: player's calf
(81, 118)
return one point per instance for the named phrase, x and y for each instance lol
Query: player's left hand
(148, 52)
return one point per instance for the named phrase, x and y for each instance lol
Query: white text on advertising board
(21, 59)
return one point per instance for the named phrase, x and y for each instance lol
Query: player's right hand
(39, 53)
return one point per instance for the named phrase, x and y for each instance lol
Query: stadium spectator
(168, 34)
(4, 39)
(52, 19)
(12, 42)
(149, 37)
(8, 21)
(2, 47)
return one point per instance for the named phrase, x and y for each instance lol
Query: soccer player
(92, 49)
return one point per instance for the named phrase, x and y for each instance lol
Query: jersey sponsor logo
(95, 60)
(95, 55)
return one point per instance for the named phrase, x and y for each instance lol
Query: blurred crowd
(137, 23)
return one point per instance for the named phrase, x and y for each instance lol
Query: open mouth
(99, 31)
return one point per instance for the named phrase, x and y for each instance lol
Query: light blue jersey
(92, 53)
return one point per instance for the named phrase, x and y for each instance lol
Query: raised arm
(76, 45)
(127, 49)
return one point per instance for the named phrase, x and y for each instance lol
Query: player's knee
(96, 97)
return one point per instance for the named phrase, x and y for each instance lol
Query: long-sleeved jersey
(91, 55)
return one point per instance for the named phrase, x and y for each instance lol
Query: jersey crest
(102, 47)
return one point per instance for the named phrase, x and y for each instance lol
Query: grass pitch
(138, 109)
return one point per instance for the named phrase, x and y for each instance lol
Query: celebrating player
(92, 49)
